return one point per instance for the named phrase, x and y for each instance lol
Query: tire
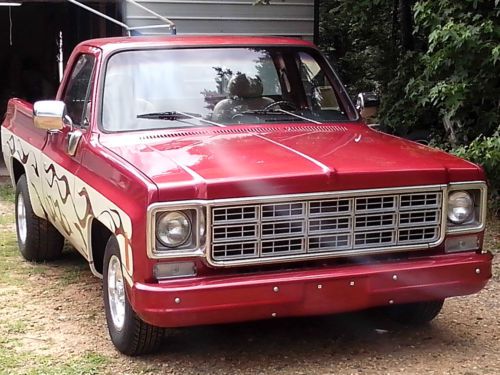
(128, 332)
(418, 313)
(37, 238)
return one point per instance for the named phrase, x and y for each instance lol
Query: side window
(77, 95)
(319, 91)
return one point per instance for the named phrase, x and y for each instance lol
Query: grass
(16, 326)
(7, 193)
(17, 359)
(13, 361)
(15, 273)
(10, 271)
(71, 275)
(89, 364)
(6, 219)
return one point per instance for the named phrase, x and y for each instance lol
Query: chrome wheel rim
(116, 292)
(22, 226)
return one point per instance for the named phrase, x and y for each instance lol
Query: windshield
(150, 89)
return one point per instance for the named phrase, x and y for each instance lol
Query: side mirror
(367, 104)
(49, 114)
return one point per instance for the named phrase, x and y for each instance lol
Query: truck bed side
(22, 146)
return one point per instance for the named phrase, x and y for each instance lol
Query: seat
(245, 94)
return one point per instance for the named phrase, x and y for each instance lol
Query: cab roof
(143, 42)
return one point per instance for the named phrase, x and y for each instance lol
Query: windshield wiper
(170, 115)
(175, 115)
(279, 111)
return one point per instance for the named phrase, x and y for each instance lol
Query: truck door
(63, 153)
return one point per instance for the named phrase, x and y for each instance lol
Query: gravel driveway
(52, 322)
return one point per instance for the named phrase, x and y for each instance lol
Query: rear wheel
(128, 332)
(417, 313)
(38, 239)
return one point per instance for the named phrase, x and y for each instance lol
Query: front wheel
(417, 313)
(128, 332)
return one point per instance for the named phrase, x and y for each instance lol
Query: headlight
(460, 207)
(173, 229)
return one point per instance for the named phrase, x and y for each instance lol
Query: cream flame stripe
(68, 202)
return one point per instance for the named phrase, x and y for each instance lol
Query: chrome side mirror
(49, 114)
(367, 104)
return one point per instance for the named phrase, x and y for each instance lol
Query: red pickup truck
(225, 179)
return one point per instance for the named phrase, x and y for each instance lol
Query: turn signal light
(163, 271)
(461, 243)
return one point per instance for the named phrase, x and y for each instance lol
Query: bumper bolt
(177, 300)
(274, 315)
(351, 283)
(391, 302)
(394, 277)
(276, 289)
(320, 286)
(478, 271)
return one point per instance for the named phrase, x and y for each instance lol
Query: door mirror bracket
(73, 141)
(67, 120)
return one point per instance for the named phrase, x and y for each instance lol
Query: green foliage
(436, 64)
(364, 40)
(461, 74)
(485, 151)
(362, 50)
(399, 111)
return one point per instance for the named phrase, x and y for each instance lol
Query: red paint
(19, 119)
(110, 45)
(247, 164)
(239, 298)
(136, 169)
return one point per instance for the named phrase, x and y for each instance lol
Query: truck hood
(240, 161)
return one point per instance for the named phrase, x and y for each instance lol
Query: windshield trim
(313, 50)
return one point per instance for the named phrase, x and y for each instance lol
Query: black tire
(39, 241)
(134, 336)
(415, 313)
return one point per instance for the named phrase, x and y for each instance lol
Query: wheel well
(99, 235)
(17, 169)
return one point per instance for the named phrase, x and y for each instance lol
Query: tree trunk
(406, 24)
(450, 128)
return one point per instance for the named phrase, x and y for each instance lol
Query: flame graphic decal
(56, 207)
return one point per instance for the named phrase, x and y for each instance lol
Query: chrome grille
(330, 225)
(283, 246)
(235, 250)
(330, 242)
(235, 232)
(377, 221)
(235, 214)
(330, 207)
(283, 229)
(282, 211)
(324, 226)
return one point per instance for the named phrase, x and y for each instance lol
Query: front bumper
(225, 299)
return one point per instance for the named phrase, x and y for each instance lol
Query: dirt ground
(52, 322)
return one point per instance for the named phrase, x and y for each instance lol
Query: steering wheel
(237, 116)
(287, 103)
(243, 117)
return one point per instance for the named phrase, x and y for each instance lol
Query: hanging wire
(10, 26)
